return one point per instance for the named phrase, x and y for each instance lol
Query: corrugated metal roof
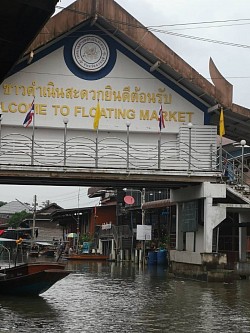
(15, 207)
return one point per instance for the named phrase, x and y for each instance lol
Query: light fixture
(155, 66)
(243, 142)
(31, 56)
(213, 108)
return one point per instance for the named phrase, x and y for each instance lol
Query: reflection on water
(33, 314)
(109, 297)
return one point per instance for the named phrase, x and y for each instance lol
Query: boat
(85, 256)
(43, 249)
(30, 279)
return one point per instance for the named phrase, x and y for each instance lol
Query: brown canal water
(108, 297)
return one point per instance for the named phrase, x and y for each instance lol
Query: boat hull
(30, 279)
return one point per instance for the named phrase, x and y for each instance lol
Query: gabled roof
(15, 207)
(163, 62)
(20, 22)
(49, 209)
(117, 22)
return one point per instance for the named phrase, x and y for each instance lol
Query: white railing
(108, 152)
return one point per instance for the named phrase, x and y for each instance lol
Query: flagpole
(96, 148)
(33, 136)
(220, 154)
(161, 124)
(159, 151)
(96, 127)
(222, 132)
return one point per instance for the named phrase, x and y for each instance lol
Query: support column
(243, 217)
(208, 225)
(100, 246)
(213, 216)
(112, 249)
(179, 233)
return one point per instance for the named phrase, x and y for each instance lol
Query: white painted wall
(190, 238)
(49, 76)
(213, 215)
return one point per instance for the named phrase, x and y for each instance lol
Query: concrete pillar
(122, 255)
(243, 217)
(132, 255)
(112, 250)
(127, 254)
(140, 255)
(136, 256)
(213, 216)
(208, 225)
(100, 246)
(179, 233)
(242, 243)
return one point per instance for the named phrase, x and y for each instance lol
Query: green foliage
(45, 204)
(2, 203)
(17, 218)
(86, 237)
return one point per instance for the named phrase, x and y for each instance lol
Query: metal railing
(108, 152)
(234, 170)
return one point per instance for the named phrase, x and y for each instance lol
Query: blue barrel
(152, 258)
(162, 257)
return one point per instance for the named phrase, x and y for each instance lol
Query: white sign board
(144, 232)
(128, 94)
(106, 226)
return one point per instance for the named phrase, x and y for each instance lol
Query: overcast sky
(226, 23)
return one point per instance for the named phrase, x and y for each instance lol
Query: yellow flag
(97, 116)
(222, 125)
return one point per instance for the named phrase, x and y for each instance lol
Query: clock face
(90, 53)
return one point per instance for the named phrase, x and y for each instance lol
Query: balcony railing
(108, 152)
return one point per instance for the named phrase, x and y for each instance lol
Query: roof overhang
(117, 22)
(20, 23)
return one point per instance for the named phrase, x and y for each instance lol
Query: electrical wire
(130, 78)
(154, 28)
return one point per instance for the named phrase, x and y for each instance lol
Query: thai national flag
(29, 116)
(161, 119)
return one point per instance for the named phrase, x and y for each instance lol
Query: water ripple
(107, 297)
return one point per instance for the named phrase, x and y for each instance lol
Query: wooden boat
(30, 279)
(42, 249)
(47, 253)
(86, 256)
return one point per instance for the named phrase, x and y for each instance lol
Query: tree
(45, 204)
(17, 218)
(2, 203)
